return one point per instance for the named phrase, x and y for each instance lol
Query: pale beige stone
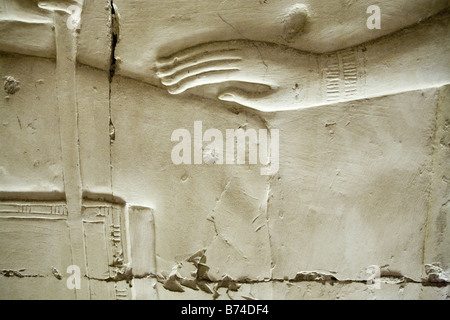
(93, 91)
(437, 236)
(335, 205)
(30, 157)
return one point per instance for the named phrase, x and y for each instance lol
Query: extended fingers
(198, 69)
(210, 77)
(205, 64)
(211, 48)
(167, 69)
(209, 63)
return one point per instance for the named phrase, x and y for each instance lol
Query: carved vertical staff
(66, 52)
(68, 113)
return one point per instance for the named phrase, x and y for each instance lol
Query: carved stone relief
(345, 130)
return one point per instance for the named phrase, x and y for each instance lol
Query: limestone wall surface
(278, 150)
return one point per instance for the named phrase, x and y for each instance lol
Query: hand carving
(283, 71)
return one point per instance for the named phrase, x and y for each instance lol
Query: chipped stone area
(190, 278)
(56, 273)
(435, 273)
(193, 274)
(355, 204)
(11, 85)
(315, 290)
(19, 274)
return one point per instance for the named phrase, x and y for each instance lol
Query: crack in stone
(307, 279)
(19, 274)
(115, 30)
(213, 221)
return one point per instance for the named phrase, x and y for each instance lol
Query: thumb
(235, 95)
(245, 98)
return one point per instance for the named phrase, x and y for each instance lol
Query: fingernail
(167, 81)
(226, 97)
(173, 90)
